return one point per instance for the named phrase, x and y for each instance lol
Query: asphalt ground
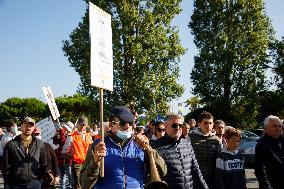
(251, 180)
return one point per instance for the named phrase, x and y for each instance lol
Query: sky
(31, 53)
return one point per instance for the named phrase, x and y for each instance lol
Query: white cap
(69, 126)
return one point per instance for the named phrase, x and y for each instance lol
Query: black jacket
(269, 159)
(206, 149)
(183, 170)
(19, 168)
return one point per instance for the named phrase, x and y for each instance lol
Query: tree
(17, 109)
(71, 107)
(232, 37)
(277, 49)
(146, 52)
(193, 103)
(272, 103)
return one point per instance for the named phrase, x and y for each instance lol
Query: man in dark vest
(183, 170)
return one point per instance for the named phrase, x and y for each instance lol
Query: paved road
(251, 180)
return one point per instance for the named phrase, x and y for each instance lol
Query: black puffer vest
(206, 149)
(183, 171)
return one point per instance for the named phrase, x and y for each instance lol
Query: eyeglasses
(175, 125)
(160, 130)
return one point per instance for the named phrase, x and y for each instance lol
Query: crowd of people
(202, 154)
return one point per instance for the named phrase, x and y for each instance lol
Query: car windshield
(249, 134)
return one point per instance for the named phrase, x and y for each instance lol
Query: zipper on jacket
(122, 157)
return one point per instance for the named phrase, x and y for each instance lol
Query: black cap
(123, 113)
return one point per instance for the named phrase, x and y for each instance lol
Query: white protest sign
(47, 131)
(101, 48)
(51, 102)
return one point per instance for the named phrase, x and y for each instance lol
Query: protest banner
(101, 58)
(47, 131)
(51, 102)
(101, 48)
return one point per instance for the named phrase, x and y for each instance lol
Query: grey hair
(218, 122)
(269, 118)
(172, 115)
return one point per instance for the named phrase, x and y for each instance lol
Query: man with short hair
(150, 130)
(76, 147)
(269, 155)
(24, 162)
(125, 156)
(219, 127)
(192, 124)
(206, 147)
(183, 170)
(185, 130)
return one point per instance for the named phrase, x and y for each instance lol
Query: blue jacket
(124, 168)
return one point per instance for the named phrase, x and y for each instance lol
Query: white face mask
(96, 132)
(14, 129)
(38, 136)
(124, 134)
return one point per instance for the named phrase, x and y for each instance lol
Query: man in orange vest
(76, 147)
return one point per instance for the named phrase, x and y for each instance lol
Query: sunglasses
(175, 125)
(123, 123)
(160, 130)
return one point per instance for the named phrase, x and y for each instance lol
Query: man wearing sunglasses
(24, 161)
(125, 156)
(183, 170)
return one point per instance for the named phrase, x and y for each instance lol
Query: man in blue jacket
(24, 161)
(125, 156)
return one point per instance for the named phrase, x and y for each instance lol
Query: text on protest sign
(101, 48)
(51, 102)
(47, 131)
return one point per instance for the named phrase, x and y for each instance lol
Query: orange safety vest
(80, 147)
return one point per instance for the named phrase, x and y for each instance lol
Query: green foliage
(277, 49)
(232, 37)
(146, 52)
(17, 109)
(71, 107)
(271, 103)
(193, 103)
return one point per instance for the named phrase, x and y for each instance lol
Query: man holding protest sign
(125, 156)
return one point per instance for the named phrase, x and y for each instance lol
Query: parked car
(247, 147)
(248, 136)
(248, 151)
(258, 132)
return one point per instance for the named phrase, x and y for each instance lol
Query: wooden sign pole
(101, 91)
